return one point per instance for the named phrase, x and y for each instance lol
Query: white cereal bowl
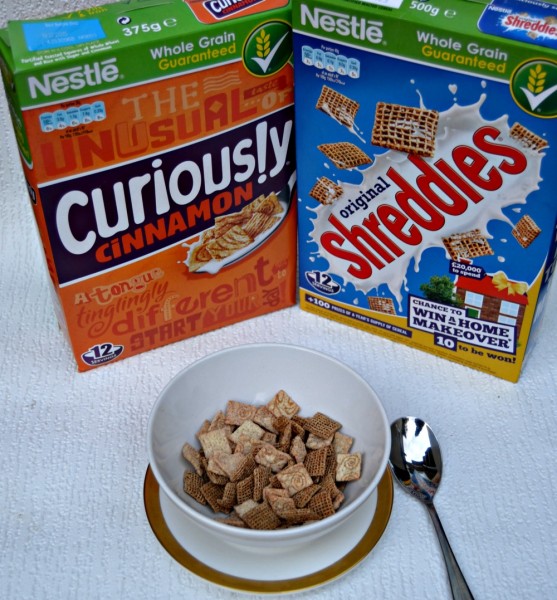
(254, 373)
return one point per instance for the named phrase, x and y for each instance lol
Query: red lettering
(176, 223)
(372, 224)
(188, 124)
(359, 237)
(131, 141)
(359, 267)
(162, 133)
(51, 158)
(89, 148)
(415, 205)
(459, 181)
(439, 190)
(101, 254)
(237, 103)
(518, 162)
(395, 221)
(472, 163)
(431, 179)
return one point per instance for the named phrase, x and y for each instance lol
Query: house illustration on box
(493, 298)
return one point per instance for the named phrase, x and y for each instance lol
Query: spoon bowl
(416, 458)
(415, 461)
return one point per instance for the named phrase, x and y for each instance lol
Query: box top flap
(132, 23)
(126, 42)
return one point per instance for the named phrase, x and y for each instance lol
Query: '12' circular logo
(534, 87)
(268, 48)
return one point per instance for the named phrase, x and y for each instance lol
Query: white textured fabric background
(73, 452)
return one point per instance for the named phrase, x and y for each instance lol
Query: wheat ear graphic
(263, 44)
(536, 79)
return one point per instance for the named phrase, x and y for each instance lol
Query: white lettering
(74, 78)
(343, 24)
(125, 201)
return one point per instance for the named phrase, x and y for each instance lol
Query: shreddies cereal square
(238, 412)
(248, 430)
(314, 442)
(405, 128)
(302, 515)
(527, 138)
(269, 456)
(331, 462)
(322, 504)
(338, 106)
(282, 405)
(526, 231)
(345, 155)
(192, 486)
(215, 441)
(326, 191)
(303, 497)
(294, 479)
(232, 465)
(261, 476)
(228, 499)
(342, 443)
(470, 244)
(244, 489)
(262, 517)
(383, 305)
(212, 494)
(193, 457)
(322, 425)
(316, 461)
(348, 467)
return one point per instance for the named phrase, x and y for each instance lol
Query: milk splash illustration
(344, 118)
(355, 209)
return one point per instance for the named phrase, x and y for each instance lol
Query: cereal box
(156, 139)
(427, 144)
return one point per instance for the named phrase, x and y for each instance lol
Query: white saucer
(277, 572)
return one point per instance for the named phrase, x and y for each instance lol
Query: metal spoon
(416, 464)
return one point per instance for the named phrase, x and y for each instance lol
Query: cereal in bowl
(266, 467)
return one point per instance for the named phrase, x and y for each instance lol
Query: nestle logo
(343, 24)
(74, 78)
(224, 8)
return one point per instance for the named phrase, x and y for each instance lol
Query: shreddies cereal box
(157, 142)
(427, 144)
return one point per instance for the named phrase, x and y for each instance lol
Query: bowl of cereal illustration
(235, 235)
(268, 446)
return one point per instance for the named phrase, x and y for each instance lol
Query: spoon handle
(459, 587)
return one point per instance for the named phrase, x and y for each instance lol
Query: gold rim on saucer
(151, 496)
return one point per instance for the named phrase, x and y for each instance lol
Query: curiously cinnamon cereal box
(156, 139)
(427, 177)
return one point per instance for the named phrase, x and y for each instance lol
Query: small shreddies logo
(268, 48)
(534, 87)
(221, 9)
(101, 354)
